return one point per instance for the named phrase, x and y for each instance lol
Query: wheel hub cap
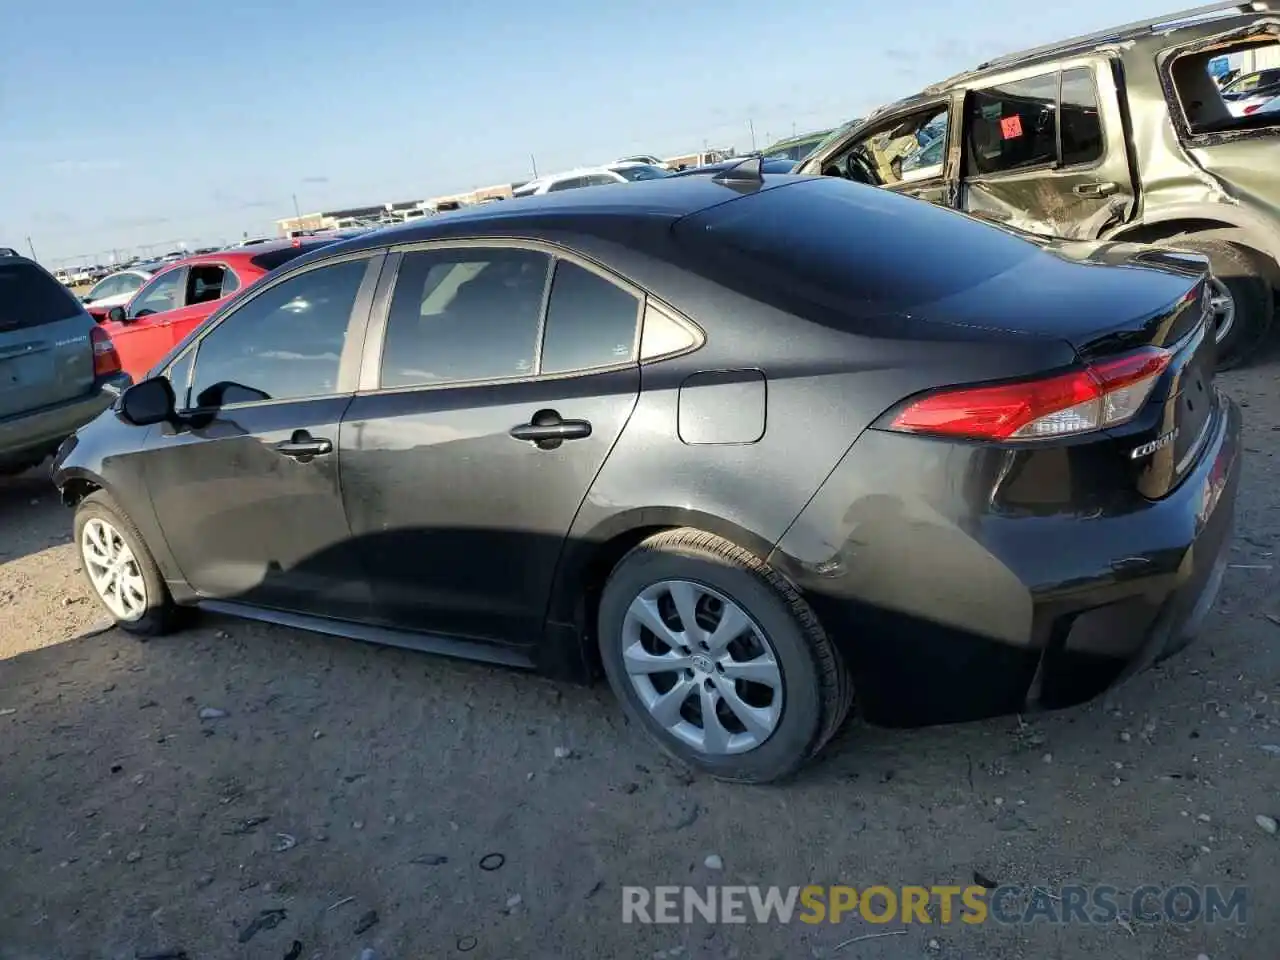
(1222, 309)
(702, 667)
(113, 570)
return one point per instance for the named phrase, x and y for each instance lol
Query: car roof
(1132, 40)
(567, 175)
(242, 256)
(645, 201)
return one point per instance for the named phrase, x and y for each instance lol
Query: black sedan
(760, 449)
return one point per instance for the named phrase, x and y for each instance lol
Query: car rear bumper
(950, 606)
(38, 432)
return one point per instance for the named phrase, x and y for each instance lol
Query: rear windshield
(274, 258)
(29, 297)
(842, 244)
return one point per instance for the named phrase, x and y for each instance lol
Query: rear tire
(776, 667)
(120, 570)
(1240, 277)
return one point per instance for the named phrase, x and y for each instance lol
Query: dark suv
(1118, 135)
(58, 368)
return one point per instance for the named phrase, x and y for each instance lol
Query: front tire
(1241, 295)
(121, 572)
(719, 659)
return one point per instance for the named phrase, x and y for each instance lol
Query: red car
(181, 296)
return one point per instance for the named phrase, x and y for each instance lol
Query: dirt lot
(130, 826)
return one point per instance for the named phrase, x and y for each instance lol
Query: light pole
(32, 247)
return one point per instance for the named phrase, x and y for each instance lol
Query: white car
(591, 177)
(116, 289)
(1253, 105)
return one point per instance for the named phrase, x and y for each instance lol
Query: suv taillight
(1100, 395)
(105, 359)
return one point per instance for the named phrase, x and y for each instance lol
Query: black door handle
(547, 430)
(1102, 189)
(303, 446)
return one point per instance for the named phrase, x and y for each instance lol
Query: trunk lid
(45, 354)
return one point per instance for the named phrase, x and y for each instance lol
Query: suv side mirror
(117, 314)
(149, 402)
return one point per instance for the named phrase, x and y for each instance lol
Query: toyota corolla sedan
(760, 449)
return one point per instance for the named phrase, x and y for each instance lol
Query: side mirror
(117, 315)
(151, 401)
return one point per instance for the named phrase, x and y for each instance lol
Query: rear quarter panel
(822, 387)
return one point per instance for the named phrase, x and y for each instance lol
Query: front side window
(286, 343)
(110, 287)
(1013, 126)
(591, 322)
(464, 314)
(890, 154)
(161, 294)
(130, 283)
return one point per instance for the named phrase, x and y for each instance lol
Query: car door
(887, 153)
(1046, 153)
(142, 338)
(246, 488)
(496, 380)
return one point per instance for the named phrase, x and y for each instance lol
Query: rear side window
(464, 315)
(1012, 126)
(29, 297)
(590, 322)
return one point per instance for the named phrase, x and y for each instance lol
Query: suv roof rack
(1138, 27)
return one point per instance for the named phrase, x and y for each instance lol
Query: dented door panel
(1080, 200)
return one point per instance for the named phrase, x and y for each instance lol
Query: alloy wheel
(1222, 308)
(113, 570)
(702, 667)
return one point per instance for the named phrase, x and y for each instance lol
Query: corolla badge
(1146, 449)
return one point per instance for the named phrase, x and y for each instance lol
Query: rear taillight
(1101, 395)
(105, 359)
(1252, 108)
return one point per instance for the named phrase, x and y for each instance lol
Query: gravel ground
(132, 823)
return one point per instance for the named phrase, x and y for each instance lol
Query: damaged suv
(1121, 135)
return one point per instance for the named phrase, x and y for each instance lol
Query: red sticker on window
(1011, 127)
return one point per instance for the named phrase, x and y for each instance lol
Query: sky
(154, 122)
